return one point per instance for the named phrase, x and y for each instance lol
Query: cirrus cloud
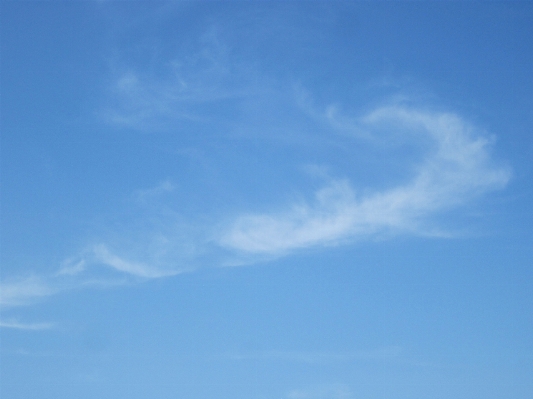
(456, 169)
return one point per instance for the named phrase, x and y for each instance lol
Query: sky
(266, 200)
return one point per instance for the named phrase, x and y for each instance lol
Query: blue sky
(297, 200)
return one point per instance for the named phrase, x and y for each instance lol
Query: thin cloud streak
(13, 324)
(77, 272)
(103, 255)
(24, 292)
(458, 169)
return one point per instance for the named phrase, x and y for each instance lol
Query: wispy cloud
(456, 169)
(154, 192)
(83, 265)
(150, 244)
(203, 84)
(180, 90)
(103, 255)
(14, 324)
(24, 291)
(77, 272)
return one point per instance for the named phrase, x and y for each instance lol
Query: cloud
(179, 90)
(100, 254)
(154, 192)
(24, 291)
(25, 326)
(149, 245)
(456, 169)
(76, 272)
(104, 256)
(72, 267)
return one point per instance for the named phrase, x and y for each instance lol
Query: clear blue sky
(266, 200)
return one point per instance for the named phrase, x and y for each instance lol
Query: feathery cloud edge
(458, 169)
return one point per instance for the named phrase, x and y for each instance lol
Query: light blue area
(299, 200)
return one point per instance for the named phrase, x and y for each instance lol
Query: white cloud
(457, 169)
(74, 272)
(103, 255)
(144, 100)
(72, 266)
(154, 192)
(24, 291)
(14, 324)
